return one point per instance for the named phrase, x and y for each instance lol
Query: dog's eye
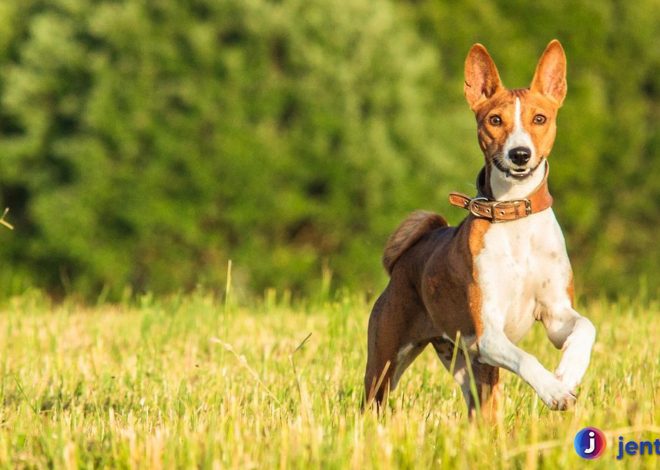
(495, 120)
(540, 119)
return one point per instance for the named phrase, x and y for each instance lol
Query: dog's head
(516, 128)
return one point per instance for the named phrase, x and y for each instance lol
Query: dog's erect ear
(481, 78)
(550, 76)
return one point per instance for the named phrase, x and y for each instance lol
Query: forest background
(144, 144)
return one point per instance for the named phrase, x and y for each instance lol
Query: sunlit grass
(190, 381)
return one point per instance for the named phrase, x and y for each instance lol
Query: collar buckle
(473, 208)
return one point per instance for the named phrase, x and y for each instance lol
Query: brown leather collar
(503, 211)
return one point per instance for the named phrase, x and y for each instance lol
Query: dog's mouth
(518, 174)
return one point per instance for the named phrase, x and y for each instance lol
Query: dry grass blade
(243, 362)
(376, 386)
(4, 222)
(302, 394)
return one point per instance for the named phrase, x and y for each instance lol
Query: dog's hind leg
(486, 379)
(398, 333)
(444, 348)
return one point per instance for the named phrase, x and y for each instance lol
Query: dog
(504, 267)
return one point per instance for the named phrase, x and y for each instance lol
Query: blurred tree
(150, 143)
(147, 143)
(606, 161)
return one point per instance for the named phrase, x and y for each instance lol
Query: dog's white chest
(522, 268)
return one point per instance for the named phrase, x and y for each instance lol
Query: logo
(590, 443)
(637, 448)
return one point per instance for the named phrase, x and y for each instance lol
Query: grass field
(187, 382)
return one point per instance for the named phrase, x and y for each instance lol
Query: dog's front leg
(497, 350)
(575, 335)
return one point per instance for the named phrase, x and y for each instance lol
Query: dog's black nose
(520, 155)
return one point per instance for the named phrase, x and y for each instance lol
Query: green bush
(147, 145)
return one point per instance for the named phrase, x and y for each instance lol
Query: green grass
(186, 382)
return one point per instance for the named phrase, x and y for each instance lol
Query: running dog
(504, 267)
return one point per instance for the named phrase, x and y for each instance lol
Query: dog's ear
(481, 77)
(550, 76)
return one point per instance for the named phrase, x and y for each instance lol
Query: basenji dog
(504, 267)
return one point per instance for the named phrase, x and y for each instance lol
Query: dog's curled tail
(408, 233)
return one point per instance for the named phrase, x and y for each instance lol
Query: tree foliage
(145, 144)
(605, 163)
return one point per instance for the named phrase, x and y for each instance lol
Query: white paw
(557, 395)
(570, 377)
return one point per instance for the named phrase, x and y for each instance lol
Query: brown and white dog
(503, 268)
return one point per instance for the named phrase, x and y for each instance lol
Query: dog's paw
(570, 378)
(557, 395)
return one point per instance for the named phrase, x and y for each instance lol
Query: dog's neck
(495, 185)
